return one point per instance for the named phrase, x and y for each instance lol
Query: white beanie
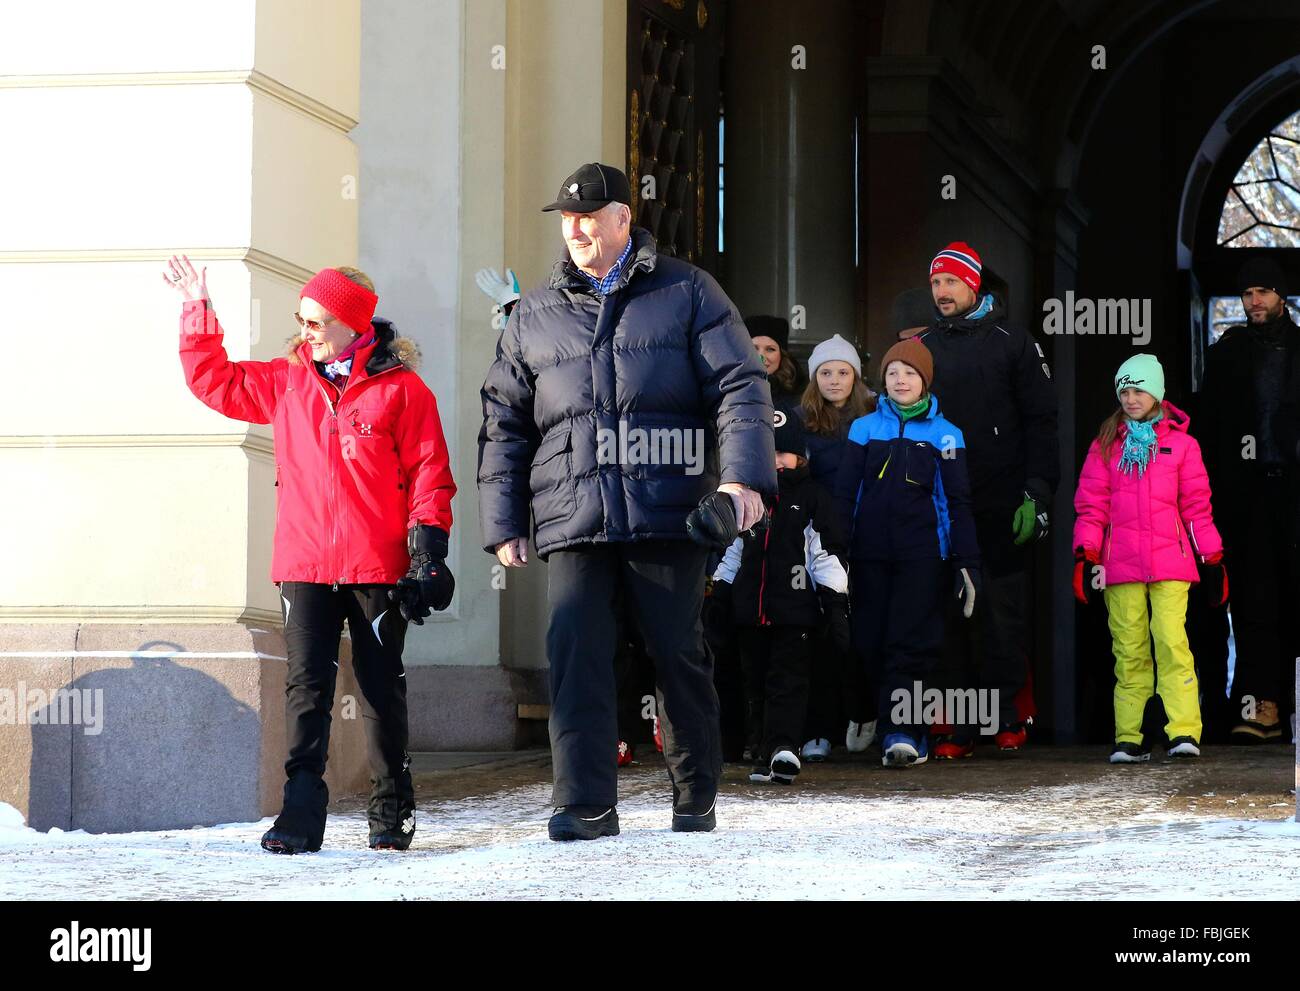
(836, 349)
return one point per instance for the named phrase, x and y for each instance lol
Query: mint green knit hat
(1142, 371)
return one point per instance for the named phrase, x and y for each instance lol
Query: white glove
(500, 291)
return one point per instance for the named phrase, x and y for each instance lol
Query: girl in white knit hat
(834, 398)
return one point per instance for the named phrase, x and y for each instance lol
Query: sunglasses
(313, 325)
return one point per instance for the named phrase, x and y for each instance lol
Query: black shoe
(1183, 747)
(582, 822)
(690, 822)
(391, 812)
(1129, 753)
(780, 770)
(397, 837)
(300, 826)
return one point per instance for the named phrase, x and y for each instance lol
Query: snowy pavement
(1112, 837)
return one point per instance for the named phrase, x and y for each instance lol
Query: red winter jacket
(353, 472)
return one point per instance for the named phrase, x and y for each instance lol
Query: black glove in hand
(835, 617)
(428, 584)
(713, 522)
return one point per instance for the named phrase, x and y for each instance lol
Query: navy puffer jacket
(579, 379)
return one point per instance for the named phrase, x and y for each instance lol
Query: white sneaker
(860, 736)
(1185, 748)
(816, 751)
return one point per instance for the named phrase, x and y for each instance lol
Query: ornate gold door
(674, 84)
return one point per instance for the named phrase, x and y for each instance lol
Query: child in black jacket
(781, 585)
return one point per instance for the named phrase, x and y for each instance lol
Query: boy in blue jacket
(903, 499)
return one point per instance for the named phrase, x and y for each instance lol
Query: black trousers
(827, 691)
(313, 623)
(1262, 574)
(662, 585)
(776, 661)
(897, 631)
(988, 651)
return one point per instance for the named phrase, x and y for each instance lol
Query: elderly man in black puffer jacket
(623, 392)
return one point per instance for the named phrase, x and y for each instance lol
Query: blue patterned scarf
(1139, 444)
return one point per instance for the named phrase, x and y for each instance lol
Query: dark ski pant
(776, 661)
(828, 689)
(1262, 572)
(896, 622)
(662, 584)
(313, 623)
(988, 651)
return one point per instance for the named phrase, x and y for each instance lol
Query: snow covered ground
(1089, 840)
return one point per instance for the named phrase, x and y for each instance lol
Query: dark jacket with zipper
(997, 388)
(1251, 389)
(825, 452)
(902, 492)
(575, 371)
(775, 573)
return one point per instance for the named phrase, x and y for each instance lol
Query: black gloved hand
(429, 583)
(835, 618)
(720, 608)
(1214, 580)
(967, 584)
(713, 522)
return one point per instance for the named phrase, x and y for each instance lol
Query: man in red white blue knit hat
(997, 387)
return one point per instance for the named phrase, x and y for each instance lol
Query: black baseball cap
(592, 187)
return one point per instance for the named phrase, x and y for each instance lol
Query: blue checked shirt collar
(606, 285)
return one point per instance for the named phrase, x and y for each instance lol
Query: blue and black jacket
(902, 492)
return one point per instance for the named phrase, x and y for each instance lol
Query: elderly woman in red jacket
(362, 521)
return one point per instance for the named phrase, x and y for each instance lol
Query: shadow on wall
(145, 746)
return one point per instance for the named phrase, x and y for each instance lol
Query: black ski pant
(662, 583)
(1262, 574)
(776, 662)
(988, 652)
(313, 623)
(827, 712)
(896, 622)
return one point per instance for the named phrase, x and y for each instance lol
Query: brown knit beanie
(910, 352)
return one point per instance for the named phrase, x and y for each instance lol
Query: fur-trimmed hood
(389, 349)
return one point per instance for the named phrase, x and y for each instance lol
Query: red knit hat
(961, 260)
(351, 303)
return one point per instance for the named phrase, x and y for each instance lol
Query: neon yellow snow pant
(1175, 671)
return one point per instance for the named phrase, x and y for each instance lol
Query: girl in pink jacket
(1144, 523)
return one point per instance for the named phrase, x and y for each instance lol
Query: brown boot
(1263, 728)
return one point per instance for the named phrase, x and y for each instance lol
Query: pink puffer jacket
(1152, 528)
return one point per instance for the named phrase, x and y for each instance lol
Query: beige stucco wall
(229, 131)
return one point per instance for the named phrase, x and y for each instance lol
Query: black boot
(582, 822)
(392, 812)
(300, 826)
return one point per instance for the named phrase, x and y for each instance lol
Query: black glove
(429, 583)
(967, 584)
(835, 618)
(713, 522)
(720, 602)
(1214, 580)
